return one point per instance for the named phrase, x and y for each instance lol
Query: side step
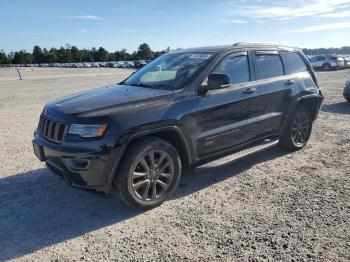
(268, 143)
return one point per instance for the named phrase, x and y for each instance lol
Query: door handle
(290, 82)
(249, 90)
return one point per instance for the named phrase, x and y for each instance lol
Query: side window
(321, 58)
(237, 67)
(268, 65)
(293, 63)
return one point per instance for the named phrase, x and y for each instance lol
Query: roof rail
(254, 43)
(261, 44)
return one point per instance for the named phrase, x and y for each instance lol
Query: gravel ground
(275, 205)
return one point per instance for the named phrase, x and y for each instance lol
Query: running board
(239, 152)
(268, 143)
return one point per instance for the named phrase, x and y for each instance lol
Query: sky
(117, 24)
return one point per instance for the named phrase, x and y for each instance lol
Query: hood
(104, 98)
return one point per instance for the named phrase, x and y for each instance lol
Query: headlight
(86, 131)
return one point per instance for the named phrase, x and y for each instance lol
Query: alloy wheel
(300, 128)
(152, 175)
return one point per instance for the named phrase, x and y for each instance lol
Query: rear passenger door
(274, 90)
(298, 77)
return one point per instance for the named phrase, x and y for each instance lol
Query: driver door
(227, 117)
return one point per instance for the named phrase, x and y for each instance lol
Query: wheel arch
(171, 134)
(311, 102)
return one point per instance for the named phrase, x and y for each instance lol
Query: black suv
(182, 110)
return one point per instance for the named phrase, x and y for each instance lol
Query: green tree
(102, 55)
(87, 55)
(76, 54)
(22, 57)
(145, 52)
(111, 57)
(38, 55)
(4, 58)
(52, 55)
(11, 55)
(63, 55)
(121, 55)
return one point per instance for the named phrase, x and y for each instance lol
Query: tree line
(345, 50)
(72, 54)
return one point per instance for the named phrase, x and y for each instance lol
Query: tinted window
(321, 58)
(268, 65)
(293, 63)
(237, 67)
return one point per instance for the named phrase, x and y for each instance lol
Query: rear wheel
(298, 131)
(149, 173)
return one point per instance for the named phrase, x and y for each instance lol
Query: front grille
(52, 130)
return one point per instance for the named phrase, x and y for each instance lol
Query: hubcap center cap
(153, 174)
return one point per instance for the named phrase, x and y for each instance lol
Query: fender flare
(130, 138)
(303, 100)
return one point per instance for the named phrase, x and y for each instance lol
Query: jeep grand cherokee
(184, 109)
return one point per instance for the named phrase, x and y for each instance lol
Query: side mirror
(218, 81)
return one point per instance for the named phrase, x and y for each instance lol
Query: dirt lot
(272, 206)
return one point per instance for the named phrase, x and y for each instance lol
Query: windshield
(169, 71)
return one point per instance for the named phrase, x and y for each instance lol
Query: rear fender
(312, 102)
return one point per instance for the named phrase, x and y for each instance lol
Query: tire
(298, 131)
(326, 67)
(143, 185)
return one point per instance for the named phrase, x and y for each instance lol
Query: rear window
(268, 65)
(293, 63)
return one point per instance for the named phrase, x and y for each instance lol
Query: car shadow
(338, 108)
(214, 172)
(39, 209)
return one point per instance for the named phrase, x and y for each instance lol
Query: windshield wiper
(147, 86)
(140, 85)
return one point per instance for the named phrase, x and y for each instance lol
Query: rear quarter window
(293, 63)
(268, 65)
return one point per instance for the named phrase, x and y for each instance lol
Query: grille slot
(52, 130)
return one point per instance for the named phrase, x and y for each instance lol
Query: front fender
(125, 140)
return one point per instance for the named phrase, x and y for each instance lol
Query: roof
(240, 45)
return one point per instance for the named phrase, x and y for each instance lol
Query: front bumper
(87, 164)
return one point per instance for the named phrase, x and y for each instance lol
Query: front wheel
(298, 131)
(149, 173)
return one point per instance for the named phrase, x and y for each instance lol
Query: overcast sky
(116, 24)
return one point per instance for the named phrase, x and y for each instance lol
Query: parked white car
(347, 61)
(327, 62)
